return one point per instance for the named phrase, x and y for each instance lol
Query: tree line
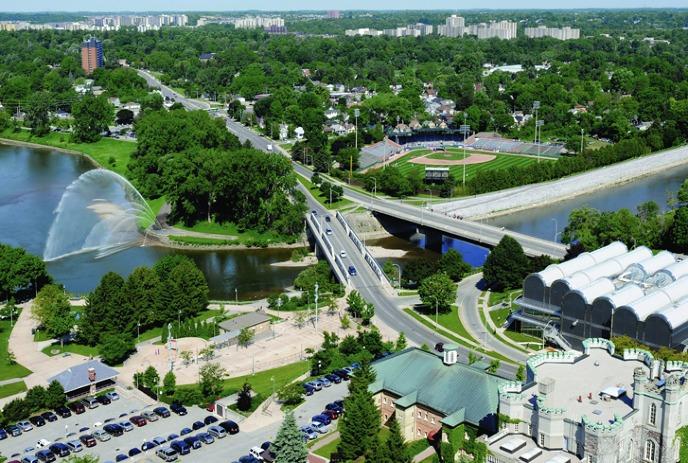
(21, 274)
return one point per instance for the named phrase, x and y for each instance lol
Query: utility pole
(316, 307)
(538, 127)
(582, 133)
(465, 128)
(357, 112)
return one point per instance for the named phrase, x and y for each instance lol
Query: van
(75, 446)
(91, 403)
(217, 432)
(181, 447)
(166, 454)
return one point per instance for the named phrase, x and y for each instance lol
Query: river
(32, 182)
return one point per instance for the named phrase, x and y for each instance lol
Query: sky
(275, 5)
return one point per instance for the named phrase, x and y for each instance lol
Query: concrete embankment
(528, 196)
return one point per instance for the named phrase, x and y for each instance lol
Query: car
(63, 412)
(29, 459)
(126, 426)
(159, 440)
(193, 442)
(184, 431)
(210, 419)
(314, 212)
(121, 457)
(162, 412)
(91, 403)
(269, 147)
(334, 378)
(439, 347)
(172, 437)
(217, 432)
(103, 400)
(319, 427)
(309, 432)
(352, 271)
(138, 420)
(88, 440)
(25, 426)
(114, 429)
(74, 446)
(350, 370)
(84, 429)
(332, 414)
(342, 374)
(181, 447)
(335, 407)
(147, 445)
(166, 454)
(112, 395)
(256, 452)
(328, 218)
(308, 390)
(3, 434)
(43, 443)
(49, 416)
(178, 408)
(248, 459)
(315, 385)
(29, 449)
(328, 231)
(205, 437)
(325, 382)
(230, 426)
(77, 407)
(133, 452)
(196, 425)
(101, 435)
(150, 415)
(45, 455)
(339, 403)
(60, 449)
(320, 418)
(342, 254)
(14, 430)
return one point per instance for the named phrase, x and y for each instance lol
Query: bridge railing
(338, 266)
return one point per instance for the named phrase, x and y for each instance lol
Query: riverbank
(505, 202)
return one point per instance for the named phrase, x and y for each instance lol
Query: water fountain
(99, 212)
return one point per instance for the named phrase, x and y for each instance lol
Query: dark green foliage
(20, 272)
(320, 274)
(37, 116)
(438, 290)
(35, 398)
(395, 446)
(124, 117)
(169, 384)
(52, 309)
(360, 425)
(289, 446)
(359, 307)
(115, 348)
(121, 82)
(245, 398)
(106, 310)
(678, 233)
(92, 116)
(506, 265)
(417, 270)
(291, 394)
(55, 395)
(453, 265)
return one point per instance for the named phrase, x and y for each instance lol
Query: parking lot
(227, 449)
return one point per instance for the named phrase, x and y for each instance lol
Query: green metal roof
(452, 390)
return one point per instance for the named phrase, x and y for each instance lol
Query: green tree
(494, 366)
(521, 373)
(438, 290)
(244, 398)
(682, 195)
(453, 265)
(360, 425)
(169, 384)
(82, 459)
(35, 398)
(506, 265)
(401, 341)
(291, 394)
(678, 233)
(142, 291)
(151, 378)
(37, 113)
(115, 348)
(55, 395)
(124, 117)
(395, 446)
(289, 446)
(92, 116)
(106, 310)
(210, 380)
(245, 337)
(52, 309)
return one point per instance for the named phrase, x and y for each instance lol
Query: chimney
(450, 354)
(92, 374)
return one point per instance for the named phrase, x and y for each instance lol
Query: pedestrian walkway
(424, 455)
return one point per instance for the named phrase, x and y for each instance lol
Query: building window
(542, 439)
(653, 414)
(530, 429)
(384, 400)
(419, 414)
(426, 416)
(418, 431)
(432, 419)
(650, 450)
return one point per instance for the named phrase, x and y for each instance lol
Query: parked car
(147, 445)
(315, 385)
(150, 415)
(159, 440)
(166, 454)
(91, 403)
(334, 378)
(184, 431)
(133, 452)
(43, 443)
(178, 408)
(308, 390)
(325, 382)
(193, 441)
(320, 426)
(138, 420)
(101, 435)
(181, 447)
(77, 407)
(127, 426)
(88, 440)
(45, 455)
(217, 432)
(328, 218)
(14, 430)
(332, 414)
(103, 400)
(206, 437)
(339, 403)
(114, 429)
(112, 395)
(49, 416)
(309, 432)
(29, 459)
(60, 449)
(63, 412)
(196, 425)
(255, 452)
(3, 434)
(230, 426)
(162, 412)
(75, 446)
(210, 419)
(328, 231)
(248, 459)
(121, 457)
(25, 426)
(335, 407)
(439, 347)
(352, 271)
(342, 374)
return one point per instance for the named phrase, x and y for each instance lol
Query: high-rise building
(563, 33)
(334, 14)
(91, 55)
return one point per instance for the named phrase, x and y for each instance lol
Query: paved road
(167, 92)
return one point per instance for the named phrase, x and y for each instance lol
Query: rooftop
(247, 320)
(76, 377)
(526, 447)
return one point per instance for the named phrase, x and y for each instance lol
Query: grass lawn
(326, 450)
(197, 241)
(501, 161)
(495, 297)
(522, 337)
(315, 191)
(74, 348)
(12, 388)
(261, 382)
(8, 371)
(499, 316)
(157, 331)
(234, 235)
(450, 320)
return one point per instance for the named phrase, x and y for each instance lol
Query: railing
(337, 265)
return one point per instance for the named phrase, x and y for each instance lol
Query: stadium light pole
(582, 135)
(536, 107)
(538, 127)
(465, 128)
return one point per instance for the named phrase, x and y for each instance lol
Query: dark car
(352, 271)
(334, 378)
(205, 437)
(37, 421)
(185, 431)
(248, 459)
(88, 440)
(324, 419)
(49, 416)
(178, 408)
(308, 389)
(197, 425)
(332, 414)
(121, 457)
(335, 407)
(3, 434)
(113, 429)
(103, 400)
(339, 403)
(147, 445)
(162, 412)
(60, 449)
(181, 447)
(439, 347)
(14, 430)
(210, 419)
(63, 411)
(172, 437)
(230, 426)
(45, 455)
(133, 452)
(77, 407)
(138, 420)
(193, 441)
(342, 374)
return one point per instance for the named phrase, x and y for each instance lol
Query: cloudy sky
(228, 5)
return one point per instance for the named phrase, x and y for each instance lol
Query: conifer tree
(289, 446)
(395, 446)
(360, 425)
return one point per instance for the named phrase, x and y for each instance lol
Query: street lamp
(582, 138)
(374, 191)
(138, 330)
(538, 129)
(536, 107)
(236, 295)
(464, 129)
(179, 317)
(436, 310)
(399, 281)
(316, 307)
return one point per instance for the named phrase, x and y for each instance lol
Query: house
(86, 378)
(114, 101)
(331, 113)
(205, 57)
(259, 323)
(133, 107)
(298, 132)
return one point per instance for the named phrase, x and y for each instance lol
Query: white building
(561, 33)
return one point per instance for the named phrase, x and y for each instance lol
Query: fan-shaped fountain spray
(100, 211)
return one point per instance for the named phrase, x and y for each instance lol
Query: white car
(43, 443)
(318, 426)
(255, 452)
(343, 254)
(112, 395)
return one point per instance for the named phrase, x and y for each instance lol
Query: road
(167, 92)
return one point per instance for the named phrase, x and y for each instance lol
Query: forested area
(21, 273)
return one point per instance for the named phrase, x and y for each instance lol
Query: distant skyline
(285, 5)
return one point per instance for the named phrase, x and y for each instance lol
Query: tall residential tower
(91, 55)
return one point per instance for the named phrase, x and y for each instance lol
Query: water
(32, 182)
(545, 221)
